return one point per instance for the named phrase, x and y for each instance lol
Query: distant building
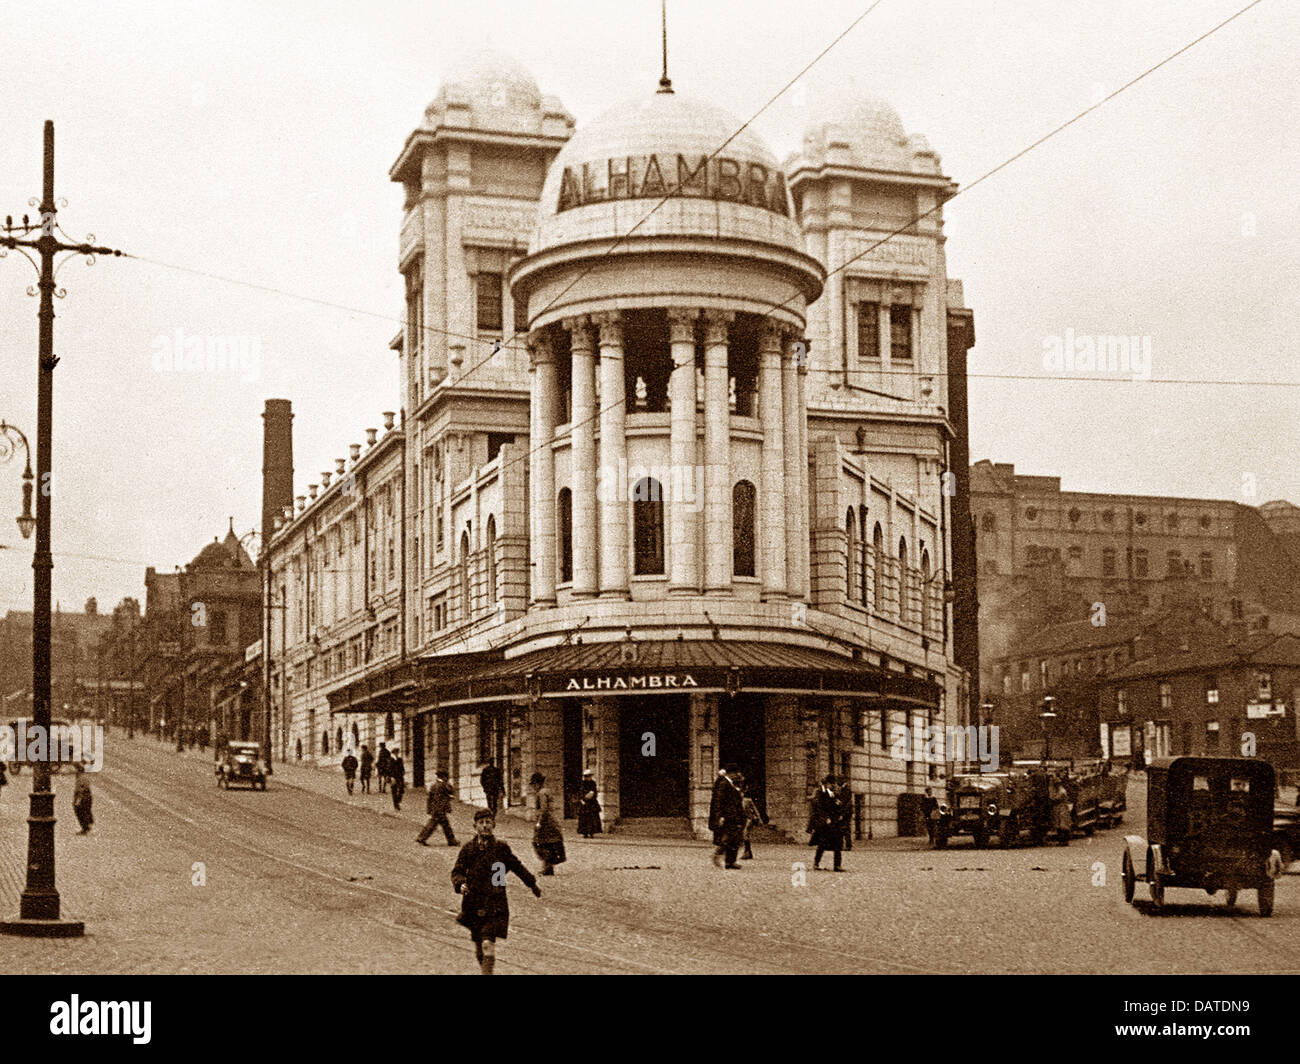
(73, 639)
(1047, 556)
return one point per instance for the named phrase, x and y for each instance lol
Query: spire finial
(665, 85)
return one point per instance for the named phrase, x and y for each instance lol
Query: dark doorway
(654, 763)
(742, 740)
(441, 743)
(417, 751)
(572, 774)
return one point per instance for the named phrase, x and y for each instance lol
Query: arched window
(851, 555)
(902, 580)
(861, 590)
(492, 559)
(356, 735)
(648, 527)
(878, 550)
(925, 590)
(989, 523)
(564, 525)
(339, 739)
(464, 575)
(388, 726)
(324, 742)
(743, 497)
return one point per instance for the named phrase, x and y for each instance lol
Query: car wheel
(1157, 890)
(1089, 830)
(1130, 878)
(1265, 895)
(1230, 897)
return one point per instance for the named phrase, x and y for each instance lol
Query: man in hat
(727, 817)
(397, 778)
(824, 823)
(491, 780)
(479, 876)
(438, 806)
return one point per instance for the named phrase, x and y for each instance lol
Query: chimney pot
(325, 477)
(370, 437)
(389, 415)
(312, 489)
(355, 449)
(340, 464)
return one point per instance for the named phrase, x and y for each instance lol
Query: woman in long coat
(588, 808)
(1062, 820)
(548, 840)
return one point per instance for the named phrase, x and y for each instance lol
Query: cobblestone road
(303, 879)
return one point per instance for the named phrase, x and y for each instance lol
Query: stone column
(771, 493)
(805, 490)
(717, 452)
(795, 548)
(683, 539)
(541, 466)
(613, 459)
(583, 458)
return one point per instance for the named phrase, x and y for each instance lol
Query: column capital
(771, 336)
(716, 323)
(540, 349)
(579, 332)
(610, 323)
(681, 324)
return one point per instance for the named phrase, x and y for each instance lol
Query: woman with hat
(548, 840)
(588, 807)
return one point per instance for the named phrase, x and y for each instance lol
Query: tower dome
(615, 169)
(863, 130)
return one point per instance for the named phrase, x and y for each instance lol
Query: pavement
(179, 877)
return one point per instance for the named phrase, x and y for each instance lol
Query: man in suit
(491, 780)
(438, 806)
(397, 778)
(824, 823)
(727, 818)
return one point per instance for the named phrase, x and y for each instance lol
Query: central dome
(616, 169)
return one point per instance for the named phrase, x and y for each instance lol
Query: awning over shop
(680, 666)
(403, 686)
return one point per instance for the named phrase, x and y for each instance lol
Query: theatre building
(675, 444)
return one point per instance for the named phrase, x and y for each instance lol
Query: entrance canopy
(630, 668)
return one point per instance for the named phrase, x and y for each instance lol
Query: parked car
(15, 763)
(1209, 827)
(241, 763)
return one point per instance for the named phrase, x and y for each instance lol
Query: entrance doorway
(417, 751)
(653, 756)
(742, 740)
(572, 774)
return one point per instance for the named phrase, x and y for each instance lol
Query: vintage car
(1083, 782)
(241, 763)
(984, 804)
(1286, 832)
(1209, 827)
(15, 759)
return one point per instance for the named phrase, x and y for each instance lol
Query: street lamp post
(9, 436)
(1047, 716)
(38, 907)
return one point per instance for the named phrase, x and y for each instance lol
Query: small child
(81, 800)
(479, 876)
(752, 817)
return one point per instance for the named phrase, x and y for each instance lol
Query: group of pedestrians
(830, 821)
(732, 816)
(389, 766)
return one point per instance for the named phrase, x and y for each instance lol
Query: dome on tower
(862, 130)
(615, 169)
(492, 91)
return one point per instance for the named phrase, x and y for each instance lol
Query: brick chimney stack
(277, 463)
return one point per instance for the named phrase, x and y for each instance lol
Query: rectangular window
(1173, 563)
(217, 627)
(1207, 565)
(868, 330)
(1121, 702)
(1140, 564)
(1211, 734)
(1264, 685)
(1042, 674)
(1211, 690)
(900, 332)
(488, 293)
(415, 313)
(437, 529)
(1024, 676)
(1166, 695)
(1108, 561)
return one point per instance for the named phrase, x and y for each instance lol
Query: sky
(252, 141)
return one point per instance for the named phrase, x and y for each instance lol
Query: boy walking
(479, 876)
(349, 770)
